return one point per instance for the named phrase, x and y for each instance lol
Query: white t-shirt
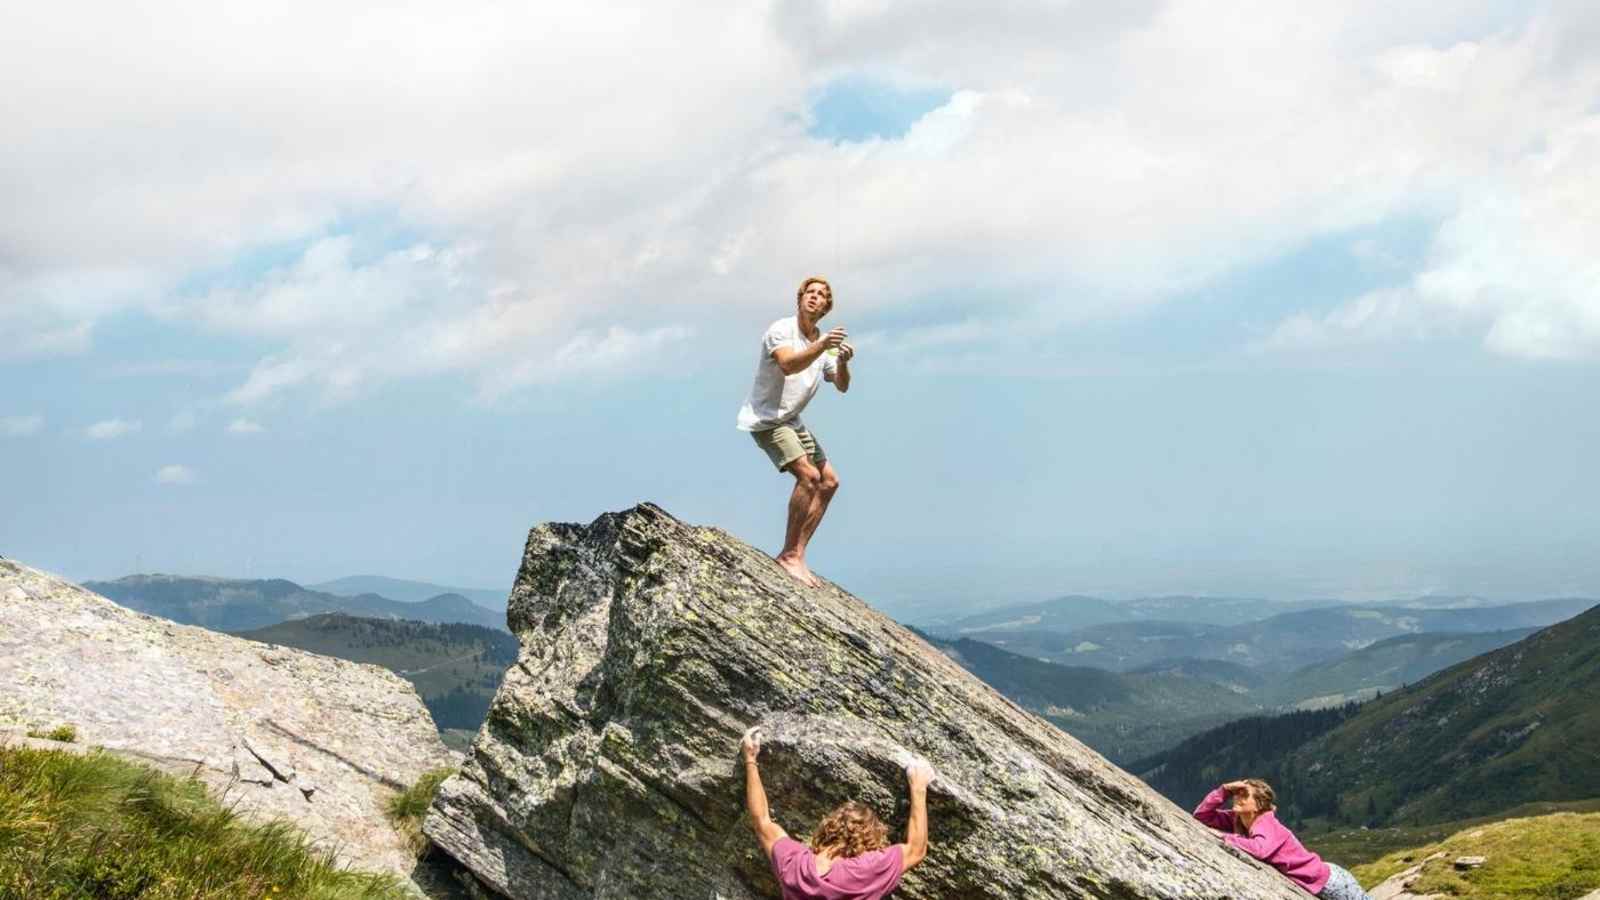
(776, 399)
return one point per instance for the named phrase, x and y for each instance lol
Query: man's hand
(846, 351)
(750, 744)
(834, 338)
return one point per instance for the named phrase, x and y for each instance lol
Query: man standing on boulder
(796, 357)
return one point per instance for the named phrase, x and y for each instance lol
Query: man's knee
(830, 481)
(806, 474)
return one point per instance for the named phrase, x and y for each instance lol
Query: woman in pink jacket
(1252, 827)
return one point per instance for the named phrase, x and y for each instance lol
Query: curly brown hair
(850, 830)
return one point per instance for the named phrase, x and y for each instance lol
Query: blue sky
(1307, 327)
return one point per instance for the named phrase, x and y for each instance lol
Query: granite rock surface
(608, 766)
(280, 732)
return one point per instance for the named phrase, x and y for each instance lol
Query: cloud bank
(520, 196)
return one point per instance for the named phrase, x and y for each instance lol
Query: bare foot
(812, 578)
(796, 569)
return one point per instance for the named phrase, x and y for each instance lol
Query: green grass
(407, 808)
(1352, 847)
(66, 734)
(95, 827)
(1548, 857)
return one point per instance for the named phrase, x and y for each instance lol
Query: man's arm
(755, 796)
(841, 370)
(791, 360)
(918, 774)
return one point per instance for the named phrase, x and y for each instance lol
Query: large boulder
(608, 766)
(282, 733)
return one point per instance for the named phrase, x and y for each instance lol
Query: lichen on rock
(608, 765)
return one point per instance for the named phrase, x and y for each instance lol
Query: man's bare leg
(826, 488)
(807, 487)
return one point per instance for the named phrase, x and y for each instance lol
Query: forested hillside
(1512, 726)
(1123, 716)
(456, 668)
(1254, 747)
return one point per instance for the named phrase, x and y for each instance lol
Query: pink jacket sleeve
(1263, 845)
(1211, 814)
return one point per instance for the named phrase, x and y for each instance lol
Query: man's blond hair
(816, 279)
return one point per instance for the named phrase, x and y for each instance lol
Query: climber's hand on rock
(919, 774)
(750, 744)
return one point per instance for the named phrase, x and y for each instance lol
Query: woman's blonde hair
(850, 830)
(1266, 800)
(816, 279)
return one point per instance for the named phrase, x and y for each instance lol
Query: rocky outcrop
(1398, 885)
(608, 765)
(281, 732)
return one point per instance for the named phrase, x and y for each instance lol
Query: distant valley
(1126, 715)
(1122, 716)
(1383, 666)
(1132, 688)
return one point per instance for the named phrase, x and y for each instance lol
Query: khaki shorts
(785, 444)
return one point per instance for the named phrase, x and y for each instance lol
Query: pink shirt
(870, 876)
(1268, 841)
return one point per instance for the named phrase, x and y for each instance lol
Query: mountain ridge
(406, 590)
(1280, 643)
(230, 604)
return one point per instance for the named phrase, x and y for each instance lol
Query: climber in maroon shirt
(849, 857)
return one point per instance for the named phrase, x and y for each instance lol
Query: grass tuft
(66, 734)
(407, 808)
(76, 827)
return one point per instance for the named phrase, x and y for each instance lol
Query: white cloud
(590, 354)
(244, 426)
(1513, 266)
(111, 429)
(175, 474)
(589, 171)
(21, 426)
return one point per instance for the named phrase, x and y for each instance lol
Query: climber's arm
(918, 774)
(755, 796)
